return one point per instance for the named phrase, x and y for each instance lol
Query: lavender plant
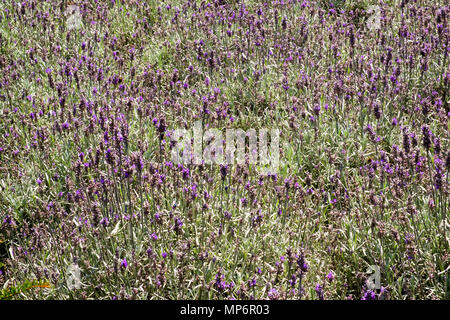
(91, 93)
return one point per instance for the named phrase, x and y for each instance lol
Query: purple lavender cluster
(91, 94)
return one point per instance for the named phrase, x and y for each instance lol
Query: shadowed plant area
(93, 205)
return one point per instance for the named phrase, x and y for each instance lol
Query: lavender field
(99, 199)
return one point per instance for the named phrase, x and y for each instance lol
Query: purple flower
(426, 137)
(178, 224)
(273, 294)
(330, 276)
(369, 295)
(293, 280)
(124, 263)
(317, 109)
(319, 291)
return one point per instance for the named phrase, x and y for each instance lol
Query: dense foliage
(90, 92)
